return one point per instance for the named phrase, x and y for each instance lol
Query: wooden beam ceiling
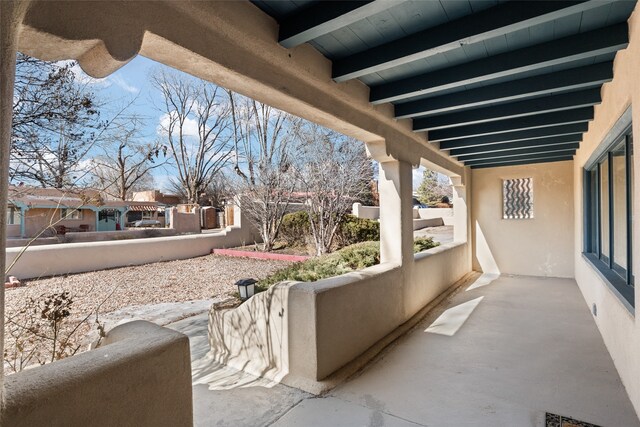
(568, 49)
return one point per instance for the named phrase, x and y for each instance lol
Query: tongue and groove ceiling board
(493, 82)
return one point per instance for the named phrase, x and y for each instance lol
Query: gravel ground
(105, 291)
(206, 277)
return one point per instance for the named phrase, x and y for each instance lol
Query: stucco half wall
(541, 246)
(53, 260)
(139, 362)
(303, 333)
(619, 327)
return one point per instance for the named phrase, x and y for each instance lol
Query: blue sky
(132, 82)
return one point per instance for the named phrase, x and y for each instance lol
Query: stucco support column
(395, 185)
(460, 210)
(23, 221)
(11, 14)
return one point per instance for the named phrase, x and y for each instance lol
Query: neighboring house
(145, 210)
(155, 196)
(35, 212)
(150, 205)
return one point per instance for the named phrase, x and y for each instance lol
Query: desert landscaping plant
(333, 173)
(43, 330)
(351, 258)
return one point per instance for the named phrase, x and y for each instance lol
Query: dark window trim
(613, 281)
(617, 278)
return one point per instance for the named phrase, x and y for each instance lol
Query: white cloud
(105, 82)
(123, 84)
(190, 127)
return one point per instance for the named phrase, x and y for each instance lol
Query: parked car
(147, 223)
(418, 204)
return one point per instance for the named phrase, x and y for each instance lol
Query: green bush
(295, 228)
(423, 243)
(361, 255)
(355, 230)
(352, 258)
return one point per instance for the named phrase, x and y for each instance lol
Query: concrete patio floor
(501, 352)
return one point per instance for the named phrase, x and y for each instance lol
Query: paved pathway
(223, 396)
(502, 354)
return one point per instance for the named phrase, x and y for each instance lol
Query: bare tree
(56, 121)
(127, 161)
(263, 163)
(335, 172)
(197, 128)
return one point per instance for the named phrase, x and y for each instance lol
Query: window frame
(14, 215)
(72, 217)
(621, 280)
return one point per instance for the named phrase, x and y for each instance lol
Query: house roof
(56, 198)
(492, 82)
(145, 206)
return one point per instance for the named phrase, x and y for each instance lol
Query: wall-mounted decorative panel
(517, 198)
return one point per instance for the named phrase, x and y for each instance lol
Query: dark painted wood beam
(521, 162)
(517, 145)
(579, 115)
(563, 149)
(324, 17)
(490, 23)
(520, 135)
(567, 80)
(581, 46)
(547, 104)
(520, 158)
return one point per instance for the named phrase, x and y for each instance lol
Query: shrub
(352, 258)
(423, 243)
(295, 228)
(360, 255)
(355, 230)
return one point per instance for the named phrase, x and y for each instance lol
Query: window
(70, 214)
(14, 216)
(608, 213)
(147, 215)
(517, 198)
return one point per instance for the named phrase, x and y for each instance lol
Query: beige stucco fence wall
(302, 333)
(185, 222)
(423, 217)
(429, 217)
(138, 362)
(49, 260)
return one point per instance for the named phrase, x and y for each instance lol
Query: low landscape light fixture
(246, 288)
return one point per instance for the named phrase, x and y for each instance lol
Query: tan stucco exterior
(138, 362)
(39, 219)
(303, 333)
(48, 260)
(619, 328)
(235, 45)
(542, 246)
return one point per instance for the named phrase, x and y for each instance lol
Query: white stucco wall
(542, 246)
(620, 329)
